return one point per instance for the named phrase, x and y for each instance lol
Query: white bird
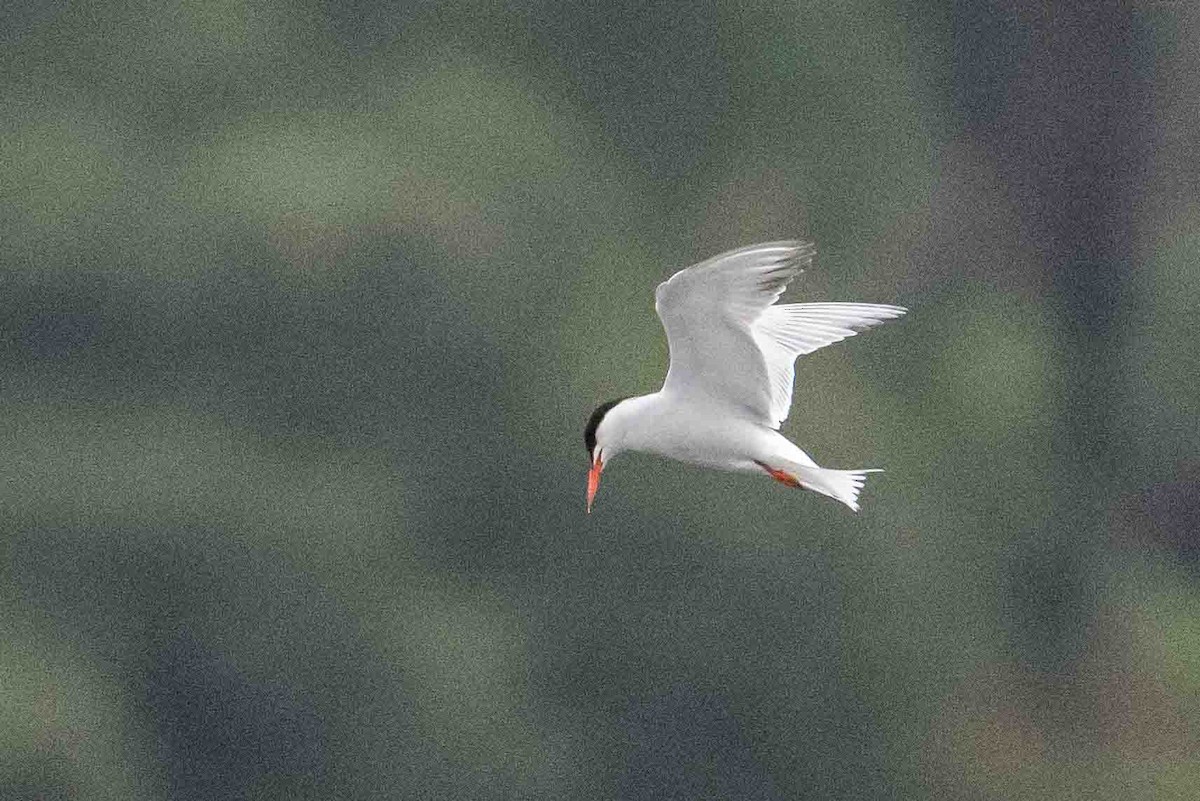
(729, 386)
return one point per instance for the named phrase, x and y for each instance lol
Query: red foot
(780, 476)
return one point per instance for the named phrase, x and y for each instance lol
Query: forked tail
(841, 485)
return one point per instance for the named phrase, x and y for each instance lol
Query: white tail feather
(841, 485)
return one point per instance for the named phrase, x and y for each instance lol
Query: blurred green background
(305, 305)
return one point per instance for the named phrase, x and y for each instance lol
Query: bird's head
(601, 445)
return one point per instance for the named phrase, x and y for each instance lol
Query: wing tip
(793, 250)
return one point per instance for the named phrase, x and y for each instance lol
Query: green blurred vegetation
(305, 305)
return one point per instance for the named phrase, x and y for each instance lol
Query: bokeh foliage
(305, 304)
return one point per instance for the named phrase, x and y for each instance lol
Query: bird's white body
(689, 430)
(729, 386)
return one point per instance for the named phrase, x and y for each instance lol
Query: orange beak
(594, 481)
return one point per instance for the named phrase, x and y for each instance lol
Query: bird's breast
(704, 437)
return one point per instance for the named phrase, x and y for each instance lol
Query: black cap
(589, 432)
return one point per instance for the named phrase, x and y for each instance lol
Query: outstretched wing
(730, 346)
(785, 332)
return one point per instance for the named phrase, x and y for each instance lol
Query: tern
(729, 386)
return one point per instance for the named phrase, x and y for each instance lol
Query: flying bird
(729, 386)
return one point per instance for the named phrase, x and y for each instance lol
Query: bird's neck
(634, 420)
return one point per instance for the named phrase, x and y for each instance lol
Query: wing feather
(707, 311)
(785, 332)
(730, 346)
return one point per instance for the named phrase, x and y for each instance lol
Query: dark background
(304, 306)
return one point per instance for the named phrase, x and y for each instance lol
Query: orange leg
(779, 475)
